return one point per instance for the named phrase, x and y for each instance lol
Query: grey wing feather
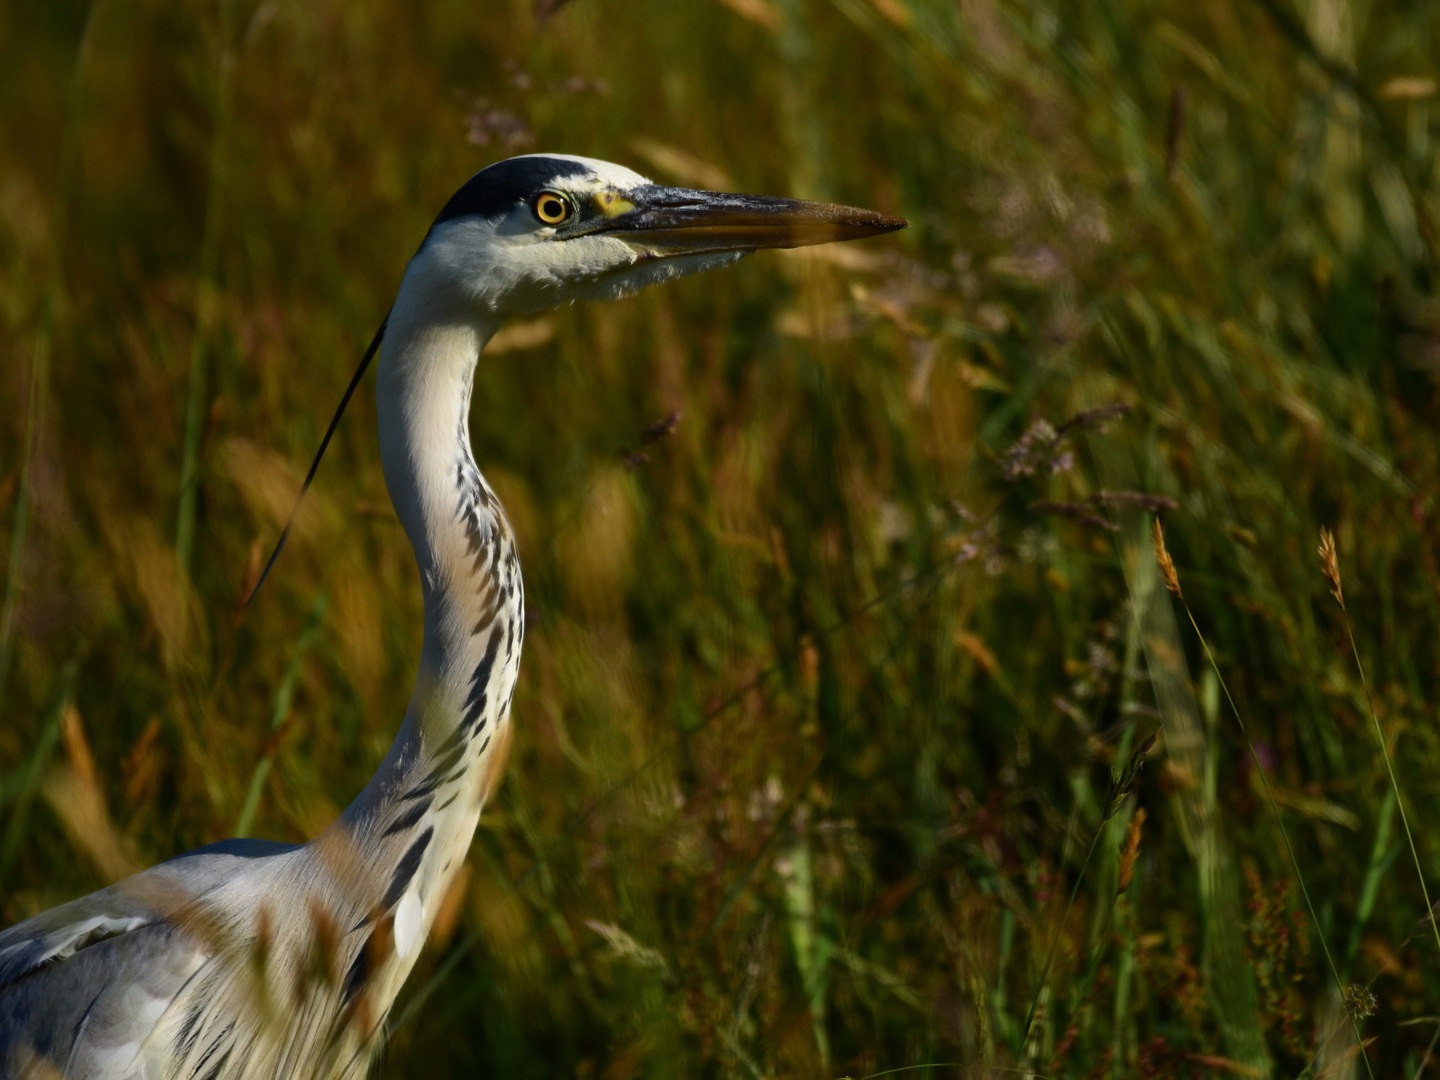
(92, 1014)
(84, 983)
(126, 906)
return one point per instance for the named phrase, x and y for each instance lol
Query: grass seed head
(1360, 1001)
(1330, 564)
(1122, 780)
(1131, 851)
(1163, 560)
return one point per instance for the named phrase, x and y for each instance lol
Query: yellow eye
(551, 208)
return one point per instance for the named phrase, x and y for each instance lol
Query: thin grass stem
(953, 1065)
(1280, 823)
(1394, 783)
(205, 301)
(44, 342)
(27, 778)
(1429, 1050)
(1055, 941)
(284, 695)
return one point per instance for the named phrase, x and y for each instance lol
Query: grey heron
(251, 958)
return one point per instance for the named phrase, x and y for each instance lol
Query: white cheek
(511, 267)
(548, 273)
(519, 226)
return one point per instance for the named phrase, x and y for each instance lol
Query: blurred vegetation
(823, 689)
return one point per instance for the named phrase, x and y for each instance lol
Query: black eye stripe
(493, 192)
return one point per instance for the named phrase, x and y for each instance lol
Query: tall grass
(823, 690)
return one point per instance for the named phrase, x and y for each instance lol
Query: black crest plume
(325, 442)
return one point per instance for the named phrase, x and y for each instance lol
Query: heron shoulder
(138, 901)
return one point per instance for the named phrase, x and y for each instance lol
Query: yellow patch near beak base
(610, 204)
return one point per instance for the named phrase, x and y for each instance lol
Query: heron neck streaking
(526, 234)
(465, 552)
(463, 545)
(250, 959)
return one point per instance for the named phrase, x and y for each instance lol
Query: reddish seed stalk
(1172, 582)
(1330, 564)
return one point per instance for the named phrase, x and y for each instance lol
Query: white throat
(419, 811)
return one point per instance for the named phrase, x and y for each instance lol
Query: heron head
(535, 231)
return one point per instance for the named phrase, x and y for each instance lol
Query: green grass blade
(284, 696)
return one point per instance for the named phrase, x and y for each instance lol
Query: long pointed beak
(678, 221)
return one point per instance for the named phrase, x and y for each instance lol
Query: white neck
(463, 545)
(417, 815)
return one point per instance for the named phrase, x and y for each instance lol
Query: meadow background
(825, 689)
